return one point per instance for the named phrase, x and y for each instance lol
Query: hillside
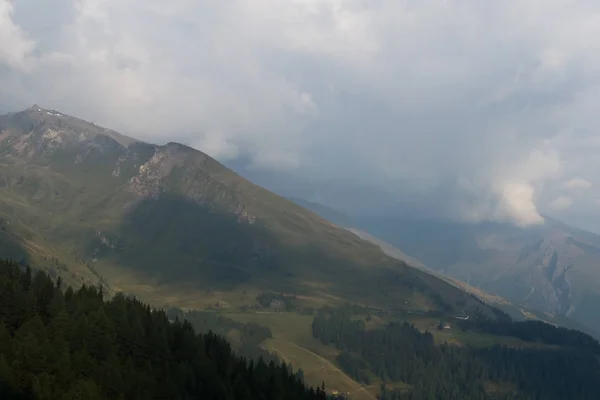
(56, 342)
(552, 267)
(442, 242)
(174, 226)
(517, 311)
(543, 362)
(70, 345)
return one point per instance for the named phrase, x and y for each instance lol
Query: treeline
(401, 353)
(248, 336)
(66, 344)
(533, 331)
(355, 366)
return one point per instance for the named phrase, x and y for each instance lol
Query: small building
(277, 305)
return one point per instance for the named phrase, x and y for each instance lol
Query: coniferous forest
(560, 364)
(248, 341)
(58, 343)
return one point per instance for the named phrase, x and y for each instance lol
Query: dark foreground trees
(557, 364)
(57, 344)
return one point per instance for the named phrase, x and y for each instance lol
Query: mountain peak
(36, 119)
(37, 109)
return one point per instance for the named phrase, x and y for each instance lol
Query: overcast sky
(478, 109)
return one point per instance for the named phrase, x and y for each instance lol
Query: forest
(532, 331)
(249, 335)
(60, 343)
(561, 364)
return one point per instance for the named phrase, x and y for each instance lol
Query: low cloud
(491, 115)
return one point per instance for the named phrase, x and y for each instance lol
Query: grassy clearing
(316, 368)
(457, 337)
(293, 342)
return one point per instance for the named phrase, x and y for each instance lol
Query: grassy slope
(293, 342)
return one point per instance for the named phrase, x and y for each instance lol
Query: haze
(467, 109)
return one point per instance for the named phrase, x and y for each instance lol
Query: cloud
(577, 184)
(561, 203)
(518, 200)
(15, 46)
(478, 112)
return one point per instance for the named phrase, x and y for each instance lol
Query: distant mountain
(527, 273)
(170, 223)
(551, 267)
(518, 311)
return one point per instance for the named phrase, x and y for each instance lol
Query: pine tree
(6, 344)
(300, 375)
(42, 387)
(83, 389)
(6, 374)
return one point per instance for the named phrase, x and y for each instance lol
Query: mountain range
(174, 226)
(551, 268)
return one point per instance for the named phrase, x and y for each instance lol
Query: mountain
(552, 267)
(171, 224)
(515, 309)
(438, 243)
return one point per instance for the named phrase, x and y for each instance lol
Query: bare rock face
(36, 132)
(180, 169)
(554, 265)
(151, 176)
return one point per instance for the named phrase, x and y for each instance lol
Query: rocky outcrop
(555, 270)
(36, 133)
(177, 169)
